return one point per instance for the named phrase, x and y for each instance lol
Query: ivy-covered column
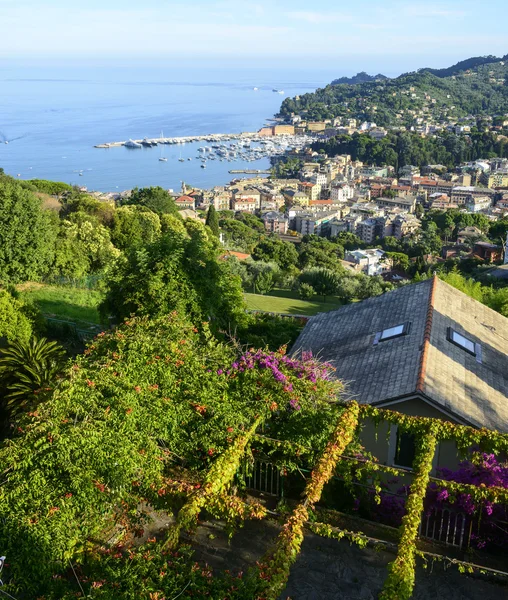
(220, 474)
(401, 579)
(274, 568)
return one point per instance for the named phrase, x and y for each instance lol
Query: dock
(250, 171)
(211, 137)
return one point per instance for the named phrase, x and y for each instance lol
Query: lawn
(287, 302)
(75, 305)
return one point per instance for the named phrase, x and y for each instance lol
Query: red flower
(90, 383)
(137, 388)
(211, 452)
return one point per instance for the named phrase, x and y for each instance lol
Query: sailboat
(181, 159)
(162, 158)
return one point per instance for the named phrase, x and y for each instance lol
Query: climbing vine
(274, 568)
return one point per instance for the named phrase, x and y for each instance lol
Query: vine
(218, 477)
(400, 582)
(274, 569)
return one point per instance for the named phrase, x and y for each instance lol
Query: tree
(27, 234)
(28, 370)
(400, 260)
(324, 281)
(134, 226)
(180, 271)
(212, 220)
(83, 246)
(306, 291)
(156, 199)
(264, 282)
(14, 324)
(276, 250)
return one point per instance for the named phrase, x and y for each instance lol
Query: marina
(221, 147)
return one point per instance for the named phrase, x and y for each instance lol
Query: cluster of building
(338, 195)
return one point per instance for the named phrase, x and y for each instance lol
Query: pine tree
(212, 220)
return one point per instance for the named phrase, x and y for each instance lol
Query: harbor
(221, 147)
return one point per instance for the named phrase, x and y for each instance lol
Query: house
(245, 205)
(184, 202)
(370, 262)
(311, 190)
(468, 234)
(405, 224)
(425, 350)
(488, 252)
(275, 222)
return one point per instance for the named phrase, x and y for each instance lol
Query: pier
(212, 137)
(250, 171)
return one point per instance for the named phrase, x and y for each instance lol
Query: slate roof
(423, 362)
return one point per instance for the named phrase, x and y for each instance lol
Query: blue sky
(386, 35)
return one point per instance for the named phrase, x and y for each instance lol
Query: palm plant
(28, 370)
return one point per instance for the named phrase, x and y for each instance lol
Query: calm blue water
(59, 114)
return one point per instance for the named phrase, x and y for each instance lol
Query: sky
(386, 36)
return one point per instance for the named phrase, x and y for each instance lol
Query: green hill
(435, 96)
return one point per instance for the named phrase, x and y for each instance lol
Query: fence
(448, 527)
(265, 478)
(441, 525)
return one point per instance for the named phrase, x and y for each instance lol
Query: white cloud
(319, 17)
(432, 11)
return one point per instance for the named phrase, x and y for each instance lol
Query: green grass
(75, 305)
(287, 302)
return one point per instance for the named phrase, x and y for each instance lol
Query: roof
(185, 199)
(423, 362)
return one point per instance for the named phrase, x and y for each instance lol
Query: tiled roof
(423, 362)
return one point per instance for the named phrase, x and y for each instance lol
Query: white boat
(132, 144)
(162, 158)
(256, 89)
(203, 166)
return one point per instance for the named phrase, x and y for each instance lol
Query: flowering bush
(483, 471)
(143, 399)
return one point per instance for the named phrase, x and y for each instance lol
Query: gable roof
(423, 362)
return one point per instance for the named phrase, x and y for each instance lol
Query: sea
(52, 116)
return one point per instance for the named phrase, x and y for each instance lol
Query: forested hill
(482, 90)
(464, 65)
(362, 77)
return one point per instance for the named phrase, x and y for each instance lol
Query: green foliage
(288, 168)
(27, 234)
(455, 96)
(179, 271)
(83, 247)
(14, 324)
(323, 281)
(315, 251)
(156, 199)
(274, 249)
(239, 236)
(28, 371)
(399, 149)
(400, 260)
(134, 226)
(212, 220)
(270, 331)
(143, 399)
(306, 291)
(53, 188)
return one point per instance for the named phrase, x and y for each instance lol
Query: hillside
(362, 77)
(432, 97)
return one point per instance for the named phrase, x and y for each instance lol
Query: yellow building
(283, 130)
(311, 190)
(316, 126)
(498, 179)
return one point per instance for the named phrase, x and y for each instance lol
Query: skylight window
(391, 332)
(462, 341)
